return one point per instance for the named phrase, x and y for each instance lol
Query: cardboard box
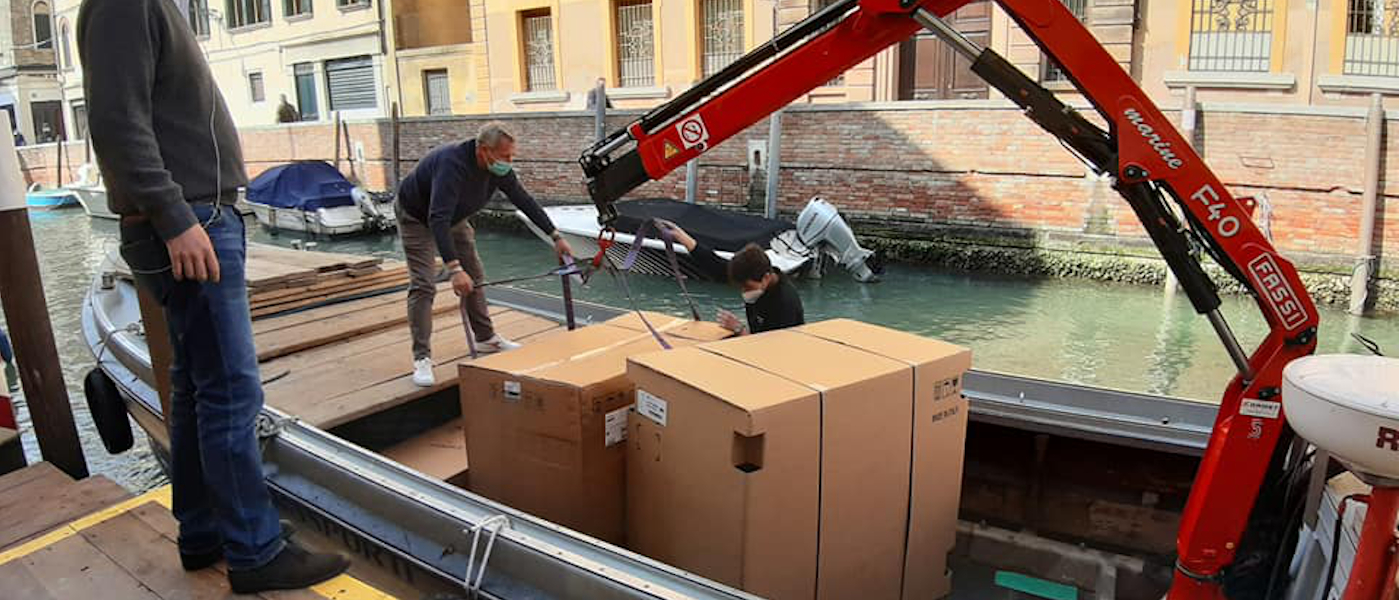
(671, 327)
(940, 430)
(545, 425)
(865, 407)
(440, 452)
(722, 473)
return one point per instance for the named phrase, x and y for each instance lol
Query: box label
(651, 407)
(615, 426)
(512, 389)
(947, 388)
(1260, 408)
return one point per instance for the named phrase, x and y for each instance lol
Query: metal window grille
(539, 52)
(293, 8)
(1231, 35)
(438, 92)
(199, 18)
(349, 3)
(813, 8)
(722, 24)
(242, 13)
(635, 51)
(1049, 69)
(255, 87)
(350, 83)
(43, 25)
(1372, 40)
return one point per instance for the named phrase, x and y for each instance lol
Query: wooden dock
(331, 363)
(63, 539)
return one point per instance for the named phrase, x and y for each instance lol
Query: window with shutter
(437, 91)
(350, 83)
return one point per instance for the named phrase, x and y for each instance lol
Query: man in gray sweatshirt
(170, 156)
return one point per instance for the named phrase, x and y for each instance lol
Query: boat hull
(336, 221)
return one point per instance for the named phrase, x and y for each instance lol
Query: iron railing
(539, 52)
(1372, 42)
(635, 50)
(1231, 35)
(722, 22)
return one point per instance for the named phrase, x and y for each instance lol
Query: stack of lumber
(280, 279)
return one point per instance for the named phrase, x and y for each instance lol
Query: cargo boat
(1076, 485)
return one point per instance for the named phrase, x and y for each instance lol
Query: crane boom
(1152, 167)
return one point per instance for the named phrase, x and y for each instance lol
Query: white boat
(92, 193)
(313, 197)
(820, 234)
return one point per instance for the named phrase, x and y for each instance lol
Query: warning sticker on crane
(669, 150)
(693, 131)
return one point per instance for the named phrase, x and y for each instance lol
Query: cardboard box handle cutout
(748, 452)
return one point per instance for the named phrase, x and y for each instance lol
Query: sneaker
(293, 568)
(423, 372)
(194, 561)
(496, 344)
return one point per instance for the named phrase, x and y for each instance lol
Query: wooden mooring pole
(27, 313)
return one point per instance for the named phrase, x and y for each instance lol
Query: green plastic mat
(1039, 588)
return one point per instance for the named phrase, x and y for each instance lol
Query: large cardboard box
(722, 473)
(440, 452)
(865, 404)
(940, 430)
(545, 423)
(671, 327)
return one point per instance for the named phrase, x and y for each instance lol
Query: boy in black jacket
(770, 300)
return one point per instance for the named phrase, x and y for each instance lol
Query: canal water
(1127, 337)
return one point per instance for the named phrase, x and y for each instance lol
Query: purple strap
(467, 326)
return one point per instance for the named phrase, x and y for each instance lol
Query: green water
(1121, 336)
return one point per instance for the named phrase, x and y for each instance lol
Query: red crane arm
(1153, 168)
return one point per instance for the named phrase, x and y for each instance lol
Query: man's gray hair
(492, 133)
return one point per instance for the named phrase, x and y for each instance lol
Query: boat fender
(108, 411)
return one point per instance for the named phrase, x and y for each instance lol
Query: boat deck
(332, 333)
(63, 539)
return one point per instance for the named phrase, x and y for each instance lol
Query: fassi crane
(1233, 525)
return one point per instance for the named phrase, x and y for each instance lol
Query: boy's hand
(678, 234)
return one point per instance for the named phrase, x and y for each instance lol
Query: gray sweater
(154, 113)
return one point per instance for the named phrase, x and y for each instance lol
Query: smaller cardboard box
(440, 452)
(940, 432)
(545, 425)
(722, 471)
(671, 327)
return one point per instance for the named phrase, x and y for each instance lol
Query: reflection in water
(1127, 337)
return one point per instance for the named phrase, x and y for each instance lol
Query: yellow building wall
(584, 48)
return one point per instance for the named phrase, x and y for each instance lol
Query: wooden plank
(18, 582)
(268, 324)
(153, 559)
(31, 510)
(327, 283)
(310, 259)
(269, 310)
(326, 289)
(399, 390)
(333, 329)
(23, 476)
(160, 520)
(335, 347)
(74, 568)
(310, 387)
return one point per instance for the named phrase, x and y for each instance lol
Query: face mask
(499, 168)
(752, 296)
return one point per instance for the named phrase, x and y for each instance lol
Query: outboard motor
(821, 228)
(375, 217)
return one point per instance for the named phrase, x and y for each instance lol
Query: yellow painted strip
(159, 495)
(343, 587)
(346, 587)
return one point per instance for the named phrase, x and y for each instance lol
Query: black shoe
(204, 560)
(293, 568)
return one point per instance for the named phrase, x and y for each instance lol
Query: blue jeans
(219, 495)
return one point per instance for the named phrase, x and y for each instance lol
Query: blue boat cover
(305, 185)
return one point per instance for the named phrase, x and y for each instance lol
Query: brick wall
(923, 168)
